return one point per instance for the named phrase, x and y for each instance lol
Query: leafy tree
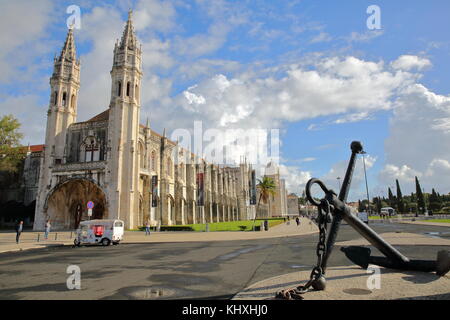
(420, 197)
(435, 201)
(10, 152)
(400, 204)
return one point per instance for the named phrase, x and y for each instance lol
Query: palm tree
(266, 188)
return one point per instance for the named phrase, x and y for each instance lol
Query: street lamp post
(367, 188)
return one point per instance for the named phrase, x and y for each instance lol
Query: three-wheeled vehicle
(102, 232)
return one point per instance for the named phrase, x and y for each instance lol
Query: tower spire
(68, 51)
(128, 36)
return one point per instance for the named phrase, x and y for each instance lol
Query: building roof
(100, 117)
(37, 148)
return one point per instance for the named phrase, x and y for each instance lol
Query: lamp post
(365, 177)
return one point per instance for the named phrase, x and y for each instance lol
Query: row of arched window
(128, 90)
(64, 99)
(169, 169)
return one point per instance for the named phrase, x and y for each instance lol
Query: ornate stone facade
(112, 160)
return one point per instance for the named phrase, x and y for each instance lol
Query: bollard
(38, 237)
(70, 234)
(56, 235)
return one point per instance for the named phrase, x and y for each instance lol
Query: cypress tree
(420, 198)
(400, 204)
(391, 198)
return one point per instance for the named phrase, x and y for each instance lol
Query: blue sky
(310, 68)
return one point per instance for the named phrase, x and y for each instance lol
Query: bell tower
(123, 133)
(62, 111)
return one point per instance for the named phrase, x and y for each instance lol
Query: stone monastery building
(125, 168)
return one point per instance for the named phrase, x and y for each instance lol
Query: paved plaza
(187, 265)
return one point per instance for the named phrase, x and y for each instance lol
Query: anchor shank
(367, 232)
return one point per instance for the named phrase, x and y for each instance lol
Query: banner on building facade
(253, 189)
(200, 189)
(154, 191)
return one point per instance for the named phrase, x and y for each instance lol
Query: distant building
(278, 202)
(293, 208)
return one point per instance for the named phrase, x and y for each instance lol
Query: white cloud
(365, 36)
(321, 37)
(409, 62)
(23, 24)
(354, 117)
(336, 86)
(295, 178)
(419, 138)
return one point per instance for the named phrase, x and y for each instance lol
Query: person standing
(147, 228)
(47, 229)
(19, 229)
(297, 220)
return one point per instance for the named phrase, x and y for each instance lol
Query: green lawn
(246, 225)
(440, 220)
(233, 225)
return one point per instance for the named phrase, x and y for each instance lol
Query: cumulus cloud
(409, 62)
(419, 138)
(336, 86)
(23, 24)
(295, 178)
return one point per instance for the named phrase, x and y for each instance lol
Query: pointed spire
(128, 36)
(68, 51)
(147, 123)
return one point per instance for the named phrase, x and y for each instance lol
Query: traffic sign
(90, 205)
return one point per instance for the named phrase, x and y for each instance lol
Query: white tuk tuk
(102, 232)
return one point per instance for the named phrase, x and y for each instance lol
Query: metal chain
(324, 211)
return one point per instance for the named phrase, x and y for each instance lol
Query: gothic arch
(119, 88)
(65, 203)
(141, 154)
(72, 101)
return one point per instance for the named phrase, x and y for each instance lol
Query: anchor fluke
(442, 263)
(358, 255)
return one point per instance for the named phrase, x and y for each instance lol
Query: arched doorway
(66, 203)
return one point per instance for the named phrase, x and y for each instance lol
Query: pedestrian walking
(297, 220)
(147, 228)
(19, 229)
(47, 229)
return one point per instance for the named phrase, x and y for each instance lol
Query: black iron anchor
(362, 255)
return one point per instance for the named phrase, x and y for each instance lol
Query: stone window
(64, 99)
(72, 101)
(90, 150)
(128, 88)
(141, 150)
(119, 88)
(55, 102)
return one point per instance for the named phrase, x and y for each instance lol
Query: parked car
(388, 211)
(102, 232)
(363, 216)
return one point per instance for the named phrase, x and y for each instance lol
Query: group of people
(19, 230)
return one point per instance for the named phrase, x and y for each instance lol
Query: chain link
(317, 273)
